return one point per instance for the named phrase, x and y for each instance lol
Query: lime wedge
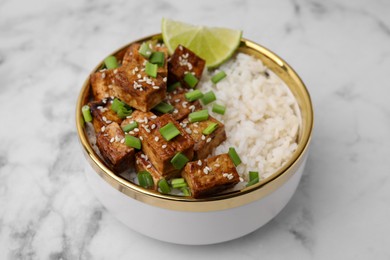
(214, 45)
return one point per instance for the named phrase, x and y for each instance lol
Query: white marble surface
(341, 49)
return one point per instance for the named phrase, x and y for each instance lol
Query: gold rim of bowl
(223, 201)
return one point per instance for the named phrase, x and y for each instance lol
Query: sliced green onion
(191, 80)
(86, 113)
(144, 50)
(217, 77)
(116, 105)
(234, 156)
(253, 175)
(151, 69)
(129, 127)
(219, 109)
(163, 107)
(145, 179)
(164, 186)
(132, 141)
(186, 191)
(198, 116)
(253, 178)
(124, 112)
(158, 58)
(208, 97)
(210, 128)
(179, 161)
(169, 131)
(111, 62)
(178, 183)
(193, 95)
(173, 86)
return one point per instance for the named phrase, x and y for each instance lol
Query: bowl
(215, 219)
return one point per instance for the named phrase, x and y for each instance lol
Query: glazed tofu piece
(159, 151)
(142, 163)
(111, 145)
(210, 176)
(182, 106)
(132, 56)
(184, 61)
(204, 144)
(134, 87)
(101, 84)
(141, 118)
(102, 114)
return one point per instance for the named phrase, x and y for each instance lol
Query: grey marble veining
(341, 49)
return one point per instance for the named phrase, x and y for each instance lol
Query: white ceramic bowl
(210, 220)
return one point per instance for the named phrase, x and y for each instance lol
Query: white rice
(262, 116)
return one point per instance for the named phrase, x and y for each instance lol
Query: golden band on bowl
(223, 201)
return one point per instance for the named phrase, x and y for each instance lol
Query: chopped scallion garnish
(111, 62)
(144, 50)
(132, 141)
(208, 97)
(198, 116)
(151, 69)
(178, 183)
(179, 161)
(116, 105)
(163, 107)
(217, 77)
(219, 109)
(158, 58)
(145, 179)
(210, 128)
(186, 191)
(124, 112)
(191, 80)
(193, 95)
(234, 156)
(169, 131)
(253, 178)
(86, 113)
(173, 86)
(130, 127)
(164, 186)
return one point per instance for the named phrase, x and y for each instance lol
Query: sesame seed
(203, 137)
(196, 131)
(241, 179)
(145, 120)
(131, 132)
(164, 146)
(139, 76)
(156, 87)
(175, 111)
(217, 165)
(208, 140)
(123, 140)
(200, 163)
(180, 47)
(115, 71)
(117, 138)
(136, 129)
(153, 126)
(148, 166)
(103, 75)
(188, 131)
(153, 117)
(177, 100)
(112, 140)
(205, 170)
(156, 138)
(141, 138)
(184, 104)
(165, 79)
(103, 128)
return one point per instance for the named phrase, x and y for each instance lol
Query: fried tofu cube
(141, 118)
(101, 84)
(204, 144)
(111, 145)
(142, 163)
(159, 151)
(102, 114)
(184, 61)
(132, 55)
(210, 176)
(182, 106)
(137, 89)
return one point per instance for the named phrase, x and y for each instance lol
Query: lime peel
(214, 45)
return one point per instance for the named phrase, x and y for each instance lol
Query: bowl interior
(222, 201)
